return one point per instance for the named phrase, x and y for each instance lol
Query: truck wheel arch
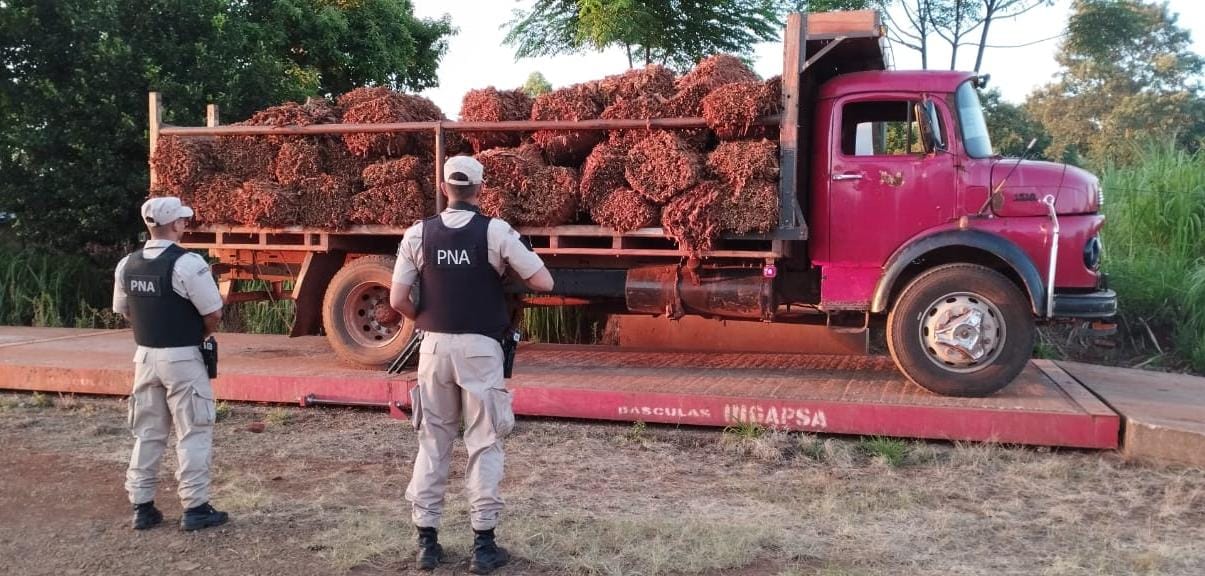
(973, 246)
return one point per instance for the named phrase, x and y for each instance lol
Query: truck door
(886, 183)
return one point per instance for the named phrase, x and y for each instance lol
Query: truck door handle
(848, 176)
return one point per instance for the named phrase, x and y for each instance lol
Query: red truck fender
(947, 246)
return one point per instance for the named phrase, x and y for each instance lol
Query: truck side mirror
(932, 127)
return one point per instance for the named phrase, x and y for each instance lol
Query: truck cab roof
(894, 81)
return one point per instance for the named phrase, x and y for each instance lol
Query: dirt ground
(320, 492)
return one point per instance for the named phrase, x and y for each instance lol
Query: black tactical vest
(161, 317)
(459, 291)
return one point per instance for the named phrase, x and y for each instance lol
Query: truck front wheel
(961, 330)
(361, 326)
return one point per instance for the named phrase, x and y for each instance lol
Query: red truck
(892, 207)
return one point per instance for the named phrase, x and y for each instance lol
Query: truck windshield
(974, 128)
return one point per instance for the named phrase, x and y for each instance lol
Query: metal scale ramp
(861, 395)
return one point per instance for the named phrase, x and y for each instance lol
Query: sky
(477, 58)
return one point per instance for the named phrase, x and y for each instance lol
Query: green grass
(41, 288)
(1155, 244)
(263, 317)
(745, 431)
(892, 451)
(40, 400)
(562, 325)
(811, 447)
(222, 411)
(637, 433)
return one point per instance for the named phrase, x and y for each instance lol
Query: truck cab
(909, 202)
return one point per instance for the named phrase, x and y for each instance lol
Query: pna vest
(161, 317)
(459, 291)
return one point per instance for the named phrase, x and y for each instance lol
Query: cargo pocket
(131, 405)
(502, 411)
(416, 408)
(483, 358)
(204, 410)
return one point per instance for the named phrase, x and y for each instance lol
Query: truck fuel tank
(739, 293)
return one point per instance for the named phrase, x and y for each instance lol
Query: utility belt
(509, 342)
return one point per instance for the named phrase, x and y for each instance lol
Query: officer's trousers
(459, 376)
(171, 390)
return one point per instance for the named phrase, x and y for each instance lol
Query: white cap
(467, 166)
(164, 210)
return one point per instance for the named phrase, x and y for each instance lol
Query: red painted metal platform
(862, 395)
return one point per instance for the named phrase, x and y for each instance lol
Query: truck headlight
(1092, 252)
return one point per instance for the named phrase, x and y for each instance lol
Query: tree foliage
(1129, 76)
(536, 84)
(676, 33)
(1011, 127)
(74, 77)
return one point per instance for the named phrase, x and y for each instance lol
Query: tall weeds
(262, 317)
(562, 325)
(40, 288)
(1155, 243)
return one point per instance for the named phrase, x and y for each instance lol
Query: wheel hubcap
(369, 318)
(962, 332)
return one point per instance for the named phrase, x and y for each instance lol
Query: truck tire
(961, 330)
(360, 325)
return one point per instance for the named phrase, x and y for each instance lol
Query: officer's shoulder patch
(204, 271)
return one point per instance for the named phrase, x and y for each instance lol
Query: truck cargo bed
(580, 240)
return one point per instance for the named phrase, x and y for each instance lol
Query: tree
(913, 30)
(914, 22)
(993, 9)
(1129, 75)
(74, 75)
(536, 84)
(1011, 127)
(955, 20)
(675, 33)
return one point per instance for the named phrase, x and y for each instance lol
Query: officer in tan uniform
(459, 258)
(170, 298)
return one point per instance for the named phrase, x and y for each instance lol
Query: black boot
(203, 516)
(487, 556)
(146, 516)
(430, 553)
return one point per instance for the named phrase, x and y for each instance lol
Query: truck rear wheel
(361, 326)
(961, 330)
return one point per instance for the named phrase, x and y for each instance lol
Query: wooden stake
(441, 202)
(155, 113)
(789, 144)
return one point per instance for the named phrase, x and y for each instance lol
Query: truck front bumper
(1099, 304)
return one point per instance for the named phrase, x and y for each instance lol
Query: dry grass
(585, 543)
(588, 498)
(360, 537)
(243, 493)
(279, 416)
(10, 402)
(39, 400)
